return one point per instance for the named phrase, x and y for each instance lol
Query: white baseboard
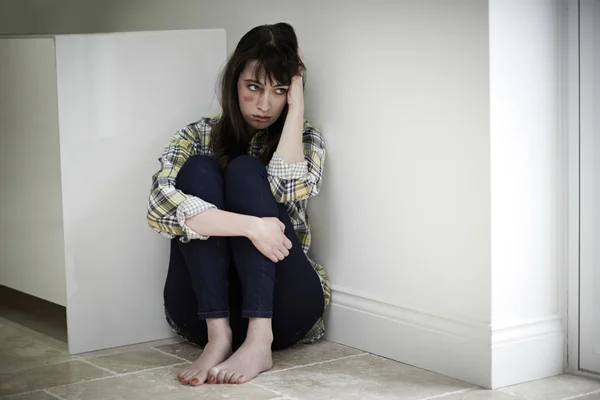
(449, 346)
(528, 351)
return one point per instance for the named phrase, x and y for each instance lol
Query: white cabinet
(83, 120)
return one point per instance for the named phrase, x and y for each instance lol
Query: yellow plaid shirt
(291, 184)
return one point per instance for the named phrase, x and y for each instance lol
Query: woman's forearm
(290, 147)
(215, 222)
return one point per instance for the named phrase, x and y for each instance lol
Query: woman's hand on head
(268, 236)
(295, 93)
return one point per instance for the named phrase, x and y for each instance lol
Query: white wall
(401, 92)
(414, 231)
(526, 188)
(31, 228)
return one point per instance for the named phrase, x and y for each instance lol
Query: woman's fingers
(279, 255)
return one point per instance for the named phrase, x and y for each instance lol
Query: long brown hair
(275, 47)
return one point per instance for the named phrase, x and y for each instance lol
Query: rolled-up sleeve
(188, 208)
(168, 207)
(299, 180)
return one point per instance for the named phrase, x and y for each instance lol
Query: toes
(228, 377)
(195, 381)
(234, 377)
(212, 375)
(182, 378)
(221, 376)
(241, 380)
(185, 377)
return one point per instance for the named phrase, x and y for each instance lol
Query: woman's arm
(174, 213)
(296, 169)
(290, 143)
(299, 180)
(215, 222)
(167, 206)
(267, 233)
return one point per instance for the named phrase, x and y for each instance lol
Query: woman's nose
(264, 103)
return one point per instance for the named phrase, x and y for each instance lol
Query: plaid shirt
(291, 183)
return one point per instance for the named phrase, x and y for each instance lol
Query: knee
(200, 176)
(246, 186)
(245, 173)
(245, 166)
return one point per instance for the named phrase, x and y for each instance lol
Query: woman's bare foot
(253, 357)
(217, 349)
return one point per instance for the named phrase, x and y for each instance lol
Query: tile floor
(35, 366)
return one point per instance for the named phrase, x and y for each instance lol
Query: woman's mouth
(260, 118)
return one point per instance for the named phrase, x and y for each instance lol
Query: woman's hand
(295, 95)
(268, 236)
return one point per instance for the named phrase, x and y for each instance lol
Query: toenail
(211, 379)
(194, 381)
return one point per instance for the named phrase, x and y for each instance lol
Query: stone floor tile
(48, 376)
(19, 350)
(135, 360)
(360, 377)
(555, 388)
(160, 384)
(303, 354)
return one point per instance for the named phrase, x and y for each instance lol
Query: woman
(231, 194)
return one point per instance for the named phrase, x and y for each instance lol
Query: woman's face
(260, 103)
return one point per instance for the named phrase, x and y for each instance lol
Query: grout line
(153, 369)
(113, 373)
(439, 396)
(271, 390)
(581, 395)
(6, 396)
(315, 363)
(172, 355)
(120, 374)
(520, 396)
(53, 395)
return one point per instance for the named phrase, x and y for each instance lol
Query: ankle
(219, 330)
(260, 331)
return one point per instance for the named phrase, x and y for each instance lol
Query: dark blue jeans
(228, 276)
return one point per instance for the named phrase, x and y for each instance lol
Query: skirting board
(459, 349)
(527, 351)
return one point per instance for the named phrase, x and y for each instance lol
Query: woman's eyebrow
(259, 83)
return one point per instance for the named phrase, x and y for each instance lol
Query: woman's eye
(280, 91)
(253, 88)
